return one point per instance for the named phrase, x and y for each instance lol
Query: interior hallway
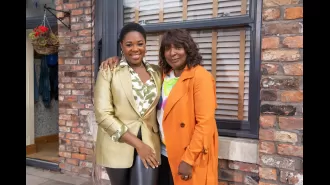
(47, 152)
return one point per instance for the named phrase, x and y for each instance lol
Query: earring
(144, 59)
(122, 56)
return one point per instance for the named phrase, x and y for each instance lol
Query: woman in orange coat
(186, 114)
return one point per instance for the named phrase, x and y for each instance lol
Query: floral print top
(144, 94)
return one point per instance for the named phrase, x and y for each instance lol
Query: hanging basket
(43, 39)
(44, 49)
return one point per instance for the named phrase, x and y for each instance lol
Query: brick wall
(281, 123)
(237, 173)
(93, 39)
(75, 87)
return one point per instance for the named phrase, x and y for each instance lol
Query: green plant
(43, 36)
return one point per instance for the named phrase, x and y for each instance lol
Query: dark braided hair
(132, 27)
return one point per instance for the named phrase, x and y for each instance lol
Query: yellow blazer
(115, 109)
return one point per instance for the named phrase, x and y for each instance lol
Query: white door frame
(29, 91)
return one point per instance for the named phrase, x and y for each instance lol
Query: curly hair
(179, 38)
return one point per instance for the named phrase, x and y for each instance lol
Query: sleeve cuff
(118, 133)
(187, 157)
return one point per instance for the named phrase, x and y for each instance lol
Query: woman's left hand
(185, 170)
(111, 62)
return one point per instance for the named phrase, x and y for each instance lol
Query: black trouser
(165, 174)
(136, 175)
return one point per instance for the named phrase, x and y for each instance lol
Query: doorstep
(42, 164)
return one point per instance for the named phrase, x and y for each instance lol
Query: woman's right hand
(111, 62)
(147, 155)
(145, 152)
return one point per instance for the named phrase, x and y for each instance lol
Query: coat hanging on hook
(44, 83)
(35, 3)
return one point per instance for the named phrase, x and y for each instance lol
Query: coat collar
(187, 73)
(179, 89)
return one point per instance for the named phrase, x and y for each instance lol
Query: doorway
(42, 107)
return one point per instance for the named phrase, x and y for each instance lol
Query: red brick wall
(237, 173)
(93, 38)
(281, 123)
(75, 87)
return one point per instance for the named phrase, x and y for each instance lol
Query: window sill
(238, 149)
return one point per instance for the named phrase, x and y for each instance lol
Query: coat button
(182, 125)
(204, 151)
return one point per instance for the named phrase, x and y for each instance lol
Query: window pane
(233, 7)
(232, 73)
(230, 63)
(173, 10)
(154, 11)
(153, 43)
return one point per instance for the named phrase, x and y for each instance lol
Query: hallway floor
(47, 152)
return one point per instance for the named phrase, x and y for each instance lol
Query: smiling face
(175, 56)
(133, 47)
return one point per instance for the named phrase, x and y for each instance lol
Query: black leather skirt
(136, 175)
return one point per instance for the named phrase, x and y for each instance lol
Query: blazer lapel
(178, 91)
(126, 82)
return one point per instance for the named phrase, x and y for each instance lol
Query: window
(228, 35)
(231, 66)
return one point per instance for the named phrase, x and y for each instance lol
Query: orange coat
(190, 129)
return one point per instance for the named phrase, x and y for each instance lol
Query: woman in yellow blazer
(125, 102)
(185, 114)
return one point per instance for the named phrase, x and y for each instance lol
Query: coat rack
(66, 14)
